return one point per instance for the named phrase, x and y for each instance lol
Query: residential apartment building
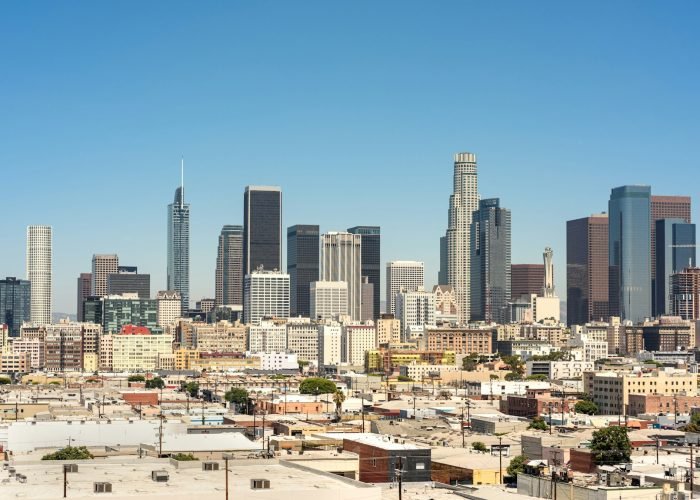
(357, 339)
(462, 340)
(329, 344)
(221, 336)
(267, 336)
(302, 339)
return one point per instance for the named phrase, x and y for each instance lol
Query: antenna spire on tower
(182, 181)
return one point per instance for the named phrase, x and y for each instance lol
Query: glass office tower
(675, 251)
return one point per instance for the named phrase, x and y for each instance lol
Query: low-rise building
(461, 340)
(640, 404)
(557, 370)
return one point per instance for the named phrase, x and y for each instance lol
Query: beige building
(610, 390)
(139, 352)
(219, 337)
(388, 330)
(550, 331)
(462, 340)
(169, 305)
(302, 339)
(356, 341)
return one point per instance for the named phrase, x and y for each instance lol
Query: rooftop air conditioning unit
(210, 466)
(102, 487)
(160, 476)
(259, 484)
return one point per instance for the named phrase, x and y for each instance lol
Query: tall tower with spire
(548, 289)
(179, 243)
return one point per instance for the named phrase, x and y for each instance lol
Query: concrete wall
(540, 487)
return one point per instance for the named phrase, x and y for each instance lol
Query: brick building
(381, 456)
(640, 404)
(459, 339)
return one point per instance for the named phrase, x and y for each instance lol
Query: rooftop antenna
(182, 181)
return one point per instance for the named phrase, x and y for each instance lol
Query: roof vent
(160, 476)
(102, 487)
(70, 467)
(259, 484)
(210, 466)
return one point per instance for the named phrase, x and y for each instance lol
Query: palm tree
(338, 399)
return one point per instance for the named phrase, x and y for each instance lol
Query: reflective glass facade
(15, 304)
(229, 267)
(371, 259)
(262, 228)
(302, 266)
(675, 251)
(179, 247)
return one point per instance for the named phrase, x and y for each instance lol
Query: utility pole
(462, 425)
(202, 410)
(500, 460)
(263, 430)
(226, 465)
(657, 450)
(160, 435)
(692, 470)
(550, 418)
(399, 473)
(363, 416)
(65, 481)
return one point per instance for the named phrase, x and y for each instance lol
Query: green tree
(694, 424)
(192, 389)
(513, 376)
(5, 380)
(515, 363)
(587, 407)
(539, 424)
(136, 378)
(516, 466)
(539, 376)
(479, 446)
(237, 396)
(317, 385)
(184, 457)
(69, 453)
(611, 445)
(155, 383)
(404, 378)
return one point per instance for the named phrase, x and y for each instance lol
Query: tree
(539, 376)
(184, 457)
(5, 380)
(479, 446)
(69, 453)
(513, 376)
(539, 424)
(587, 407)
(404, 378)
(338, 399)
(693, 425)
(516, 466)
(155, 383)
(136, 378)
(317, 385)
(611, 445)
(192, 388)
(237, 396)
(515, 363)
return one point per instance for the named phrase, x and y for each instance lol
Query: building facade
(128, 280)
(266, 294)
(169, 307)
(178, 267)
(121, 310)
(461, 340)
(102, 266)
(665, 207)
(675, 251)
(262, 228)
(685, 294)
(371, 267)
(415, 309)
(39, 272)
(329, 300)
(302, 266)
(341, 260)
(15, 304)
(84, 291)
(229, 267)
(402, 275)
(527, 279)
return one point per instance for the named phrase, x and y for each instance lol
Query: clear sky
(354, 108)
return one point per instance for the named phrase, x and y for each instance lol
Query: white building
(329, 300)
(545, 308)
(276, 360)
(501, 388)
(169, 304)
(341, 260)
(266, 294)
(417, 371)
(414, 309)
(356, 341)
(464, 201)
(267, 337)
(34, 348)
(302, 339)
(589, 344)
(39, 255)
(135, 353)
(102, 266)
(329, 344)
(402, 275)
(556, 370)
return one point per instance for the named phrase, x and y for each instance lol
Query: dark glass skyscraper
(442, 273)
(179, 246)
(302, 266)
(262, 228)
(629, 213)
(675, 251)
(128, 280)
(490, 272)
(371, 259)
(15, 303)
(587, 269)
(84, 287)
(229, 267)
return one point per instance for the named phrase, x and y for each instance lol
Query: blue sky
(354, 108)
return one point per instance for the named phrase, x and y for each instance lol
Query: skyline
(393, 93)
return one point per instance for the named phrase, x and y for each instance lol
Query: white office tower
(329, 344)
(547, 306)
(266, 295)
(464, 200)
(169, 304)
(267, 337)
(415, 310)
(548, 289)
(341, 260)
(356, 341)
(102, 266)
(408, 275)
(302, 339)
(39, 252)
(329, 300)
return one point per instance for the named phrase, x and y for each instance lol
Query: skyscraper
(464, 201)
(15, 303)
(675, 251)
(128, 280)
(329, 300)
(685, 294)
(629, 229)
(39, 255)
(102, 266)
(490, 262)
(179, 245)
(402, 275)
(266, 294)
(302, 266)
(527, 279)
(84, 291)
(587, 269)
(371, 259)
(229, 267)
(341, 261)
(442, 272)
(262, 228)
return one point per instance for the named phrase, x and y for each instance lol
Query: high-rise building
(179, 246)
(329, 300)
(84, 291)
(302, 266)
(63, 347)
(415, 309)
(39, 256)
(667, 207)
(265, 295)
(587, 269)
(490, 262)
(127, 309)
(371, 260)
(341, 261)
(675, 251)
(168, 307)
(262, 228)
(229, 267)
(464, 201)
(629, 225)
(402, 275)
(685, 294)
(442, 272)
(207, 305)
(102, 266)
(366, 300)
(15, 303)
(527, 279)
(128, 280)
